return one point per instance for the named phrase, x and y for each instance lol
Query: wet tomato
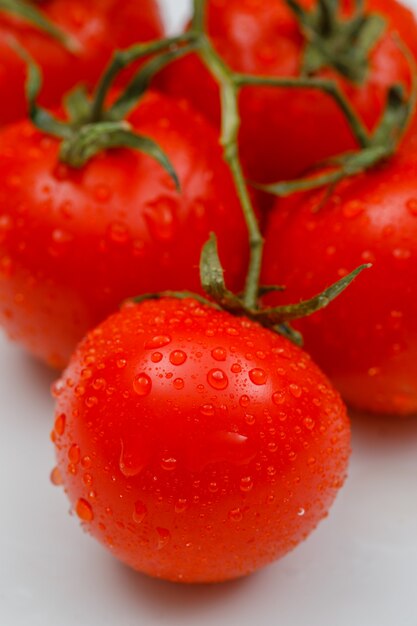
(75, 243)
(97, 28)
(366, 341)
(197, 446)
(285, 131)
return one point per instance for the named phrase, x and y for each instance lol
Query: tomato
(366, 341)
(286, 131)
(197, 446)
(75, 243)
(98, 27)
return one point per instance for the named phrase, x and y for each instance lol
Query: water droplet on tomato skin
(169, 463)
(258, 376)
(142, 385)
(301, 512)
(181, 505)
(219, 354)
(84, 510)
(244, 401)
(295, 390)
(160, 218)
(217, 379)
(159, 341)
(74, 454)
(56, 477)
(164, 537)
(236, 515)
(236, 368)
(246, 484)
(178, 384)
(60, 423)
(156, 357)
(177, 357)
(118, 233)
(139, 512)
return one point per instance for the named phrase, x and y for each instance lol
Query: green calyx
(332, 40)
(276, 319)
(28, 12)
(94, 125)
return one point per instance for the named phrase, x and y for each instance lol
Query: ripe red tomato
(286, 131)
(75, 243)
(197, 446)
(98, 26)
(366, 341)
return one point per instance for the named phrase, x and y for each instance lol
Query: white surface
(358, 569)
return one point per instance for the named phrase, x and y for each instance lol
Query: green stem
(123, 58)
(328, 86)
(199, 14)
(229, 94)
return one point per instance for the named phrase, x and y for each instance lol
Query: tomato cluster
(193, 437)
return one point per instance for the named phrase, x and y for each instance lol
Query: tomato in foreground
(195, 445)
(98, 27)
(366, 341)
(286, 131)
(75, 243)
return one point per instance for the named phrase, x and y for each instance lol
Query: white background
(358, 569)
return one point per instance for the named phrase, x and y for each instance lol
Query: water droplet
(207, 409)
(142, 385)
(159, 341)
(139, 512)
(296, 390)
(87, 480)
(133, 460)
(118, 233)
(156, 357)
(301, 512)
(84, 510)
(178, 384)
(86, 462)
(246, 484)
(178, 357)
(58, 388)
(219, 354)
(169, 464)
(236, 368)
(160, 217)
(91, 401)
(244, 401)
(59, 426)
(74, 454)
(309, 423)
(258, 376)
(56, 477)
(217, 379)
(278, 397)
(164, 537)
(121, 363)
(401, 254)
(236, 515)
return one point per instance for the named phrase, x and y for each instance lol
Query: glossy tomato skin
(195, 445)
(286, 131)
(98, 27)
(366, 340)
(75, 243)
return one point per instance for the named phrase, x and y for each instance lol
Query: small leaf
(41, 118)
(140, 83)
(28, 12)
(93, 138)
(78, 105)
(286, 313)
(212, 277)
(264, 290)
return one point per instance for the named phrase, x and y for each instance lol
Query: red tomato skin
(196, 445)
(75, 243)
(98, 26)
(366, 340)
(286, 131)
